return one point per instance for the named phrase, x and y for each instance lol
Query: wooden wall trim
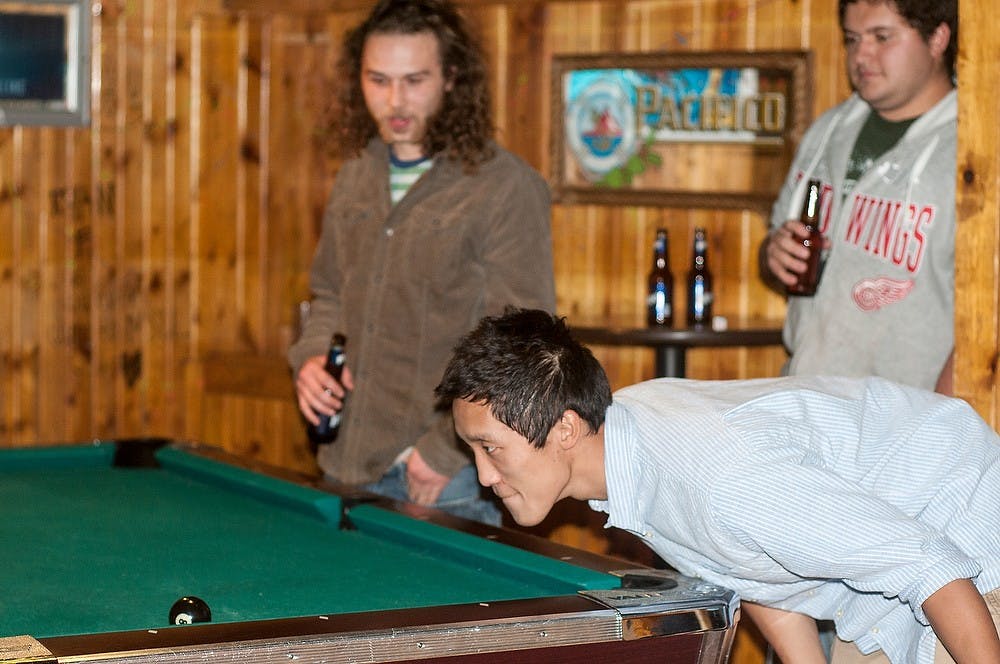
(246, 375)
(330, 6)
(977, 198)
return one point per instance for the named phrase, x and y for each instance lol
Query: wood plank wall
(173, 235)
(977, 244)
(151, 264)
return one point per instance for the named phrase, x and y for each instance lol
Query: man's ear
(568, 430)
(939, 39)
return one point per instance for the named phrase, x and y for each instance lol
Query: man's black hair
(527, 368)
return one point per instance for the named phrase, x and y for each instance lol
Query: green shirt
(403, 175)
(877, 137)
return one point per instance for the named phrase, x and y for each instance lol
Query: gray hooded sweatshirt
(885, 303)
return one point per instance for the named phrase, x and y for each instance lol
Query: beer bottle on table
(808, 280)
(660, 301)
(326, 430)
(699, 283)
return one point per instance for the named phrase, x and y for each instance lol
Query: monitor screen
(44, 62)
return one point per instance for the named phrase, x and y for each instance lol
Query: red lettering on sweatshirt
(924, 218)
(858, 219)
(881, 227)
(825, 205)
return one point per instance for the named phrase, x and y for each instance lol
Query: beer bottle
(807, 281)
(660, 302)
(699, 283)
(326, 430)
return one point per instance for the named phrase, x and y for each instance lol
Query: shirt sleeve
(815, 524)
(324, 277)
(517, 247)
(440, 447)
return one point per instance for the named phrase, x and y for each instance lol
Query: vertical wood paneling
(182, 221)
(526, 66)
(47, 227)
(105, 374)
(133, 220)
(71, 397)
(206, 183)
(31, 224)
(180, 164)
(168, 404)
(221, 301)
(286, 198)
(253, 127)
(977, 243)
(157, 364)
(8, 288)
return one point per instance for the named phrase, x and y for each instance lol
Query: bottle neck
(661, 257)
(811, 205)
(699, 259)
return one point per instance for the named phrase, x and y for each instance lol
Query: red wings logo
(873, 294)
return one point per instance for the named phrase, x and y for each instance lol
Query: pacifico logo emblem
(618, 123)
(601, 128)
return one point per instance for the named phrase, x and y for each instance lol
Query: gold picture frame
(689, 130)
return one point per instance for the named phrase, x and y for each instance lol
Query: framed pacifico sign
(711, 129)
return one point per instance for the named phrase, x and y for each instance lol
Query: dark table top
(750, 333)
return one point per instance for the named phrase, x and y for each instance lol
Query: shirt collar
(622, 505)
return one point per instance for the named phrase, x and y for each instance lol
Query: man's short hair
(463, 129)
(527, 368)
(925, 16)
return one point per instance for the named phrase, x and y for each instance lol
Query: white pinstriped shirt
(851, 500)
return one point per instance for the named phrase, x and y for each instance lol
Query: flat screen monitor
(44, 62)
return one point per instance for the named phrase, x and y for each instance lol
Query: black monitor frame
(33, 91)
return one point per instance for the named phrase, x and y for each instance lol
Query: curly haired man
(430, 226)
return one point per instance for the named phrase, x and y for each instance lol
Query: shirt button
(840, 613)
(874, 630)
(389, 232)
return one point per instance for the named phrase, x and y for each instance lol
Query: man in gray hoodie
(886, 160)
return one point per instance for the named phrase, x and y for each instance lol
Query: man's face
(889, 63)
(404, 86)
(527, 479)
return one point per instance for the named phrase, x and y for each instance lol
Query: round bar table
(671, 344)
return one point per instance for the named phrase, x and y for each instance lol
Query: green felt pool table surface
(109, 548)
(99, 540)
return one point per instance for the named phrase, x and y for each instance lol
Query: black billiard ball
(189, 610)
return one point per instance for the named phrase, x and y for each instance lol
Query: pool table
(100, 539)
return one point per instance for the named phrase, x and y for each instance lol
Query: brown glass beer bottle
(699, 283)
(660, 300)
(813, 241)
(326, 430)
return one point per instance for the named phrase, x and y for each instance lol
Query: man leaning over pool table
(860, 501)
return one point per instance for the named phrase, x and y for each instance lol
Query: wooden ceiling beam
(329, 6)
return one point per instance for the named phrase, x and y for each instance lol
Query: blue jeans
(462, 496)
